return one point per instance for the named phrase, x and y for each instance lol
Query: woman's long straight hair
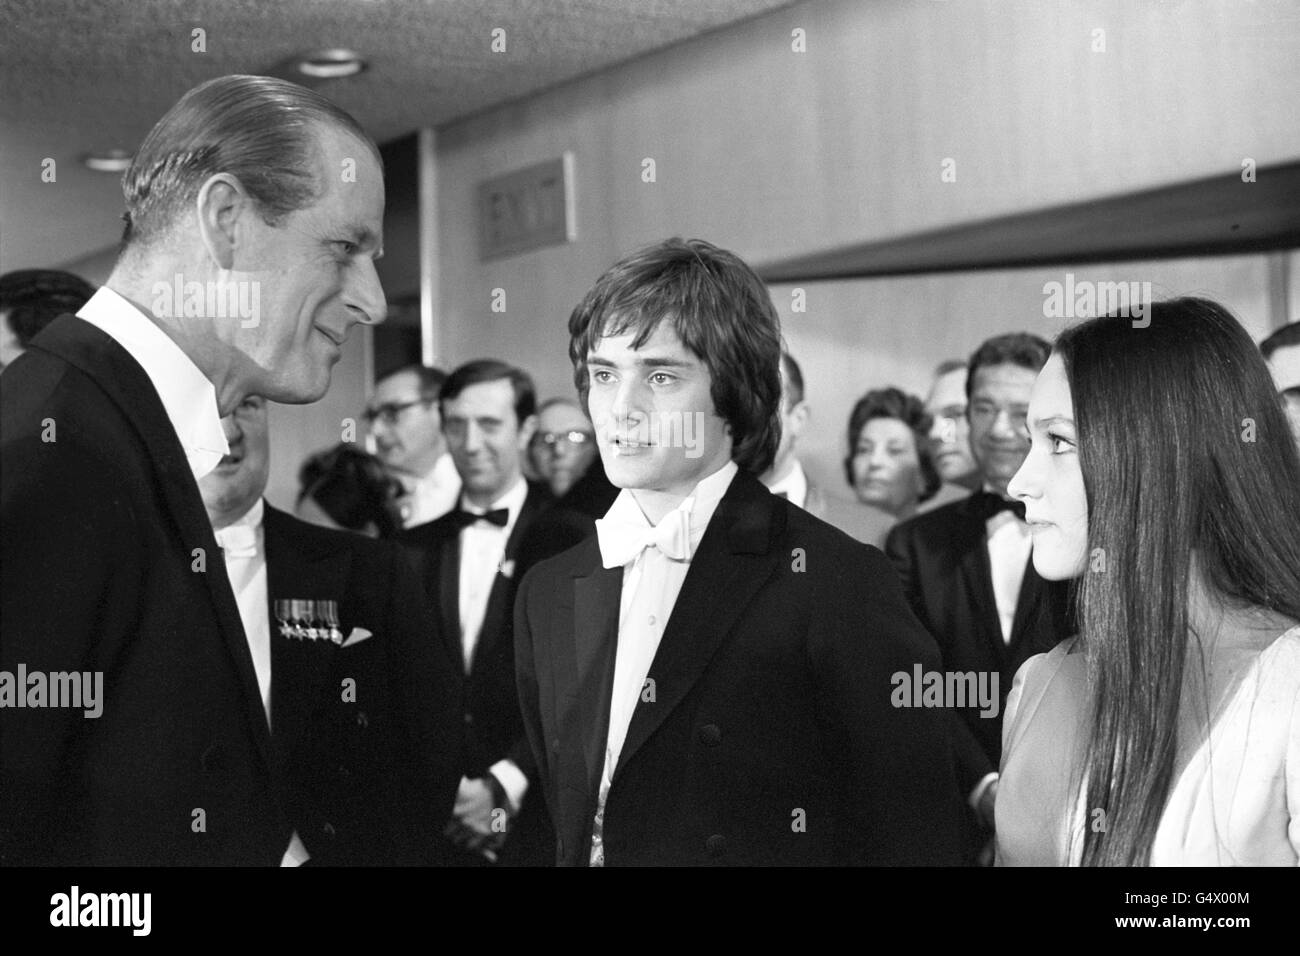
(1185, 451)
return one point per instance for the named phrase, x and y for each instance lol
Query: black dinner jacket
(942, 560)
(368, 734)
(108, 564)
(770, 738)
(492, 727)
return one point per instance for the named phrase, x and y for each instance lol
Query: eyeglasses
(551, 439)
(389, 412)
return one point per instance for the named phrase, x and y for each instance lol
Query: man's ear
(526, 432)
(799, 416)
(222, 207)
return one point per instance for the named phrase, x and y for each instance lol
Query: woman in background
(346, 488)
(1162, 472)
(889, 465)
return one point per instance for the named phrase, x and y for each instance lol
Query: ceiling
(79, 77)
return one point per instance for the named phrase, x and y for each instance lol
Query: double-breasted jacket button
(710, 735)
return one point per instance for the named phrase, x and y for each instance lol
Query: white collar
(512, 500)
(188, 398)
(795, 485)
(251, 518)
(700, 503)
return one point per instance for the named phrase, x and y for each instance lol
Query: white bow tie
(237, 540)
(622, 541)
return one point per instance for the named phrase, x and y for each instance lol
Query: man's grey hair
(259, 129)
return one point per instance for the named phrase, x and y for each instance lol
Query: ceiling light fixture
(330, 64)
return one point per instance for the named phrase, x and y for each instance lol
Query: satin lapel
(500, 605)
(1028, 605)
(120, 376)
(977, 572)
(299, 668)
(732, 562)
(447, 570)
(595, 641)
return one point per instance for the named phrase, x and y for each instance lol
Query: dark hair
(1167, 474)
(351, 487)
(794, 375)
(429, 380)
(36, 297)
(261, 130)
(1284, 337)
(1015, 348)
(492, 370)
(721, 311)
(908, 409)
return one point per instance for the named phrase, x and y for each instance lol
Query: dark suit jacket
(942, 559)
(369, 734)
(569, 520)
(771, 738)
(109, 564)
(491, 720)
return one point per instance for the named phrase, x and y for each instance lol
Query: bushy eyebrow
(646, 361)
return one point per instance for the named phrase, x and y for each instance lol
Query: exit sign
(527, 209)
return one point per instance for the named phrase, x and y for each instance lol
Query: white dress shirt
(186, 394)
(794, 486)
(1009, 545)
(243, 546)
(651, 584)
(482, 551)
(432, 495)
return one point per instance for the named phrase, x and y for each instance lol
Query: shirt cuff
(977, 794)
(513, 781)
(297, 854)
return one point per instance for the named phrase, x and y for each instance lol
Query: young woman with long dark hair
(1164, 478)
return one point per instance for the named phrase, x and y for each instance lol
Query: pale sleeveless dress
(1236, 796)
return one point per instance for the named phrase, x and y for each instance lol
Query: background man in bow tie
(466, 560)
(237, 205)
(967, 572)
(707, 681)
(366, 733)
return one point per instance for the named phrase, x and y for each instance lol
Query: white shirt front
(1009, 546)
(482, 550)
(243, 546)
(188, 398)
(651, 583)
(794, 486)
(432, 495)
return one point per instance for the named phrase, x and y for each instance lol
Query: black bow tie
(463, 518)
(987, 504)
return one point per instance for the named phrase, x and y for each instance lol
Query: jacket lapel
(447, 571)
(500, 605)
(977, 574)
(113, 369)
(733, 559)
(596, 598)
(299, 668)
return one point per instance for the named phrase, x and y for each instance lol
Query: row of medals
(309, 620)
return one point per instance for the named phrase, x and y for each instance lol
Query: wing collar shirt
(186, 394)
(794, 486)
(651, 582)
(243, 546)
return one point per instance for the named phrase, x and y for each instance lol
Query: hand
(474, 806)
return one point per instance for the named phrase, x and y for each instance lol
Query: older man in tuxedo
(255, 209)
(708, 680)
(967, 572)
(467, 560)
(364, 708)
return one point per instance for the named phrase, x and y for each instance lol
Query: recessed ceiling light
(109, 161)
(330, 64)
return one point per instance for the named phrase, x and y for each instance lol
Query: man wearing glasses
(404, 419)
(564, 446)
